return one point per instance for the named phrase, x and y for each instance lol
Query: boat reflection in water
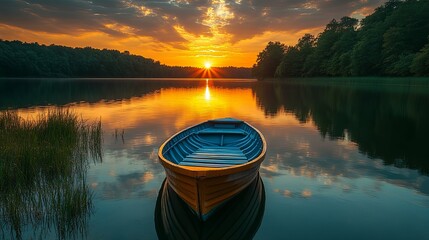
(239, 218)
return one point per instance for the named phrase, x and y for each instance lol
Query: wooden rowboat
(209, 163)
(239, 219)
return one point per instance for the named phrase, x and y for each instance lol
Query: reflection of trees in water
(20, 93)
(387, 122)
(43, 167)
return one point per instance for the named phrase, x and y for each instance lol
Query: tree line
(393, 41)
(20, 59)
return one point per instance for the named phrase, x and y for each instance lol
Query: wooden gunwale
(198, 172)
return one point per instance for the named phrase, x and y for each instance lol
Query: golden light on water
(187, 106)
(207, 93)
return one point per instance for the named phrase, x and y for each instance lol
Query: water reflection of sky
(316, 187)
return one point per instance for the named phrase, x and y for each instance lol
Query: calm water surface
(344, 161)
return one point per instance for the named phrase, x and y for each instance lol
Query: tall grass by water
(43, 166)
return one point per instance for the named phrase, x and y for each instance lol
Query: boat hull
(204, 193)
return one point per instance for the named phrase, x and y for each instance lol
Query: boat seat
(222, 131)
(211, 165)
(204, 162)
(211, 156)
(220, 152)
(217, 149)
(216, 156)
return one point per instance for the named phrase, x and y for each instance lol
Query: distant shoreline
(21, 59)
(128, 78)
(350, 81)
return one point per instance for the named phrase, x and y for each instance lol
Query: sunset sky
(181, 32)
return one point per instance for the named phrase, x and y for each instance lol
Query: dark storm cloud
(158, 18)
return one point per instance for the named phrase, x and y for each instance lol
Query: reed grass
(43, 165)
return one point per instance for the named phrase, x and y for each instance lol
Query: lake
(346, 160)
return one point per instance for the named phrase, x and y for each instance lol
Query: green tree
(268, 60)
(391, 41)
(420, 64)
(292, 64)
(339, 61)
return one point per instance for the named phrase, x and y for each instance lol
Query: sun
(207, 65)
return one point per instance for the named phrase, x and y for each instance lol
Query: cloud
(258, 16)
(114, 17)
(185, 30)
(127, 186)
(50, 16)
(157, 19)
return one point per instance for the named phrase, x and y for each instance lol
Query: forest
(19, 59)
(392, 41)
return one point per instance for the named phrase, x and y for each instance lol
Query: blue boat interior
(216, 143)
